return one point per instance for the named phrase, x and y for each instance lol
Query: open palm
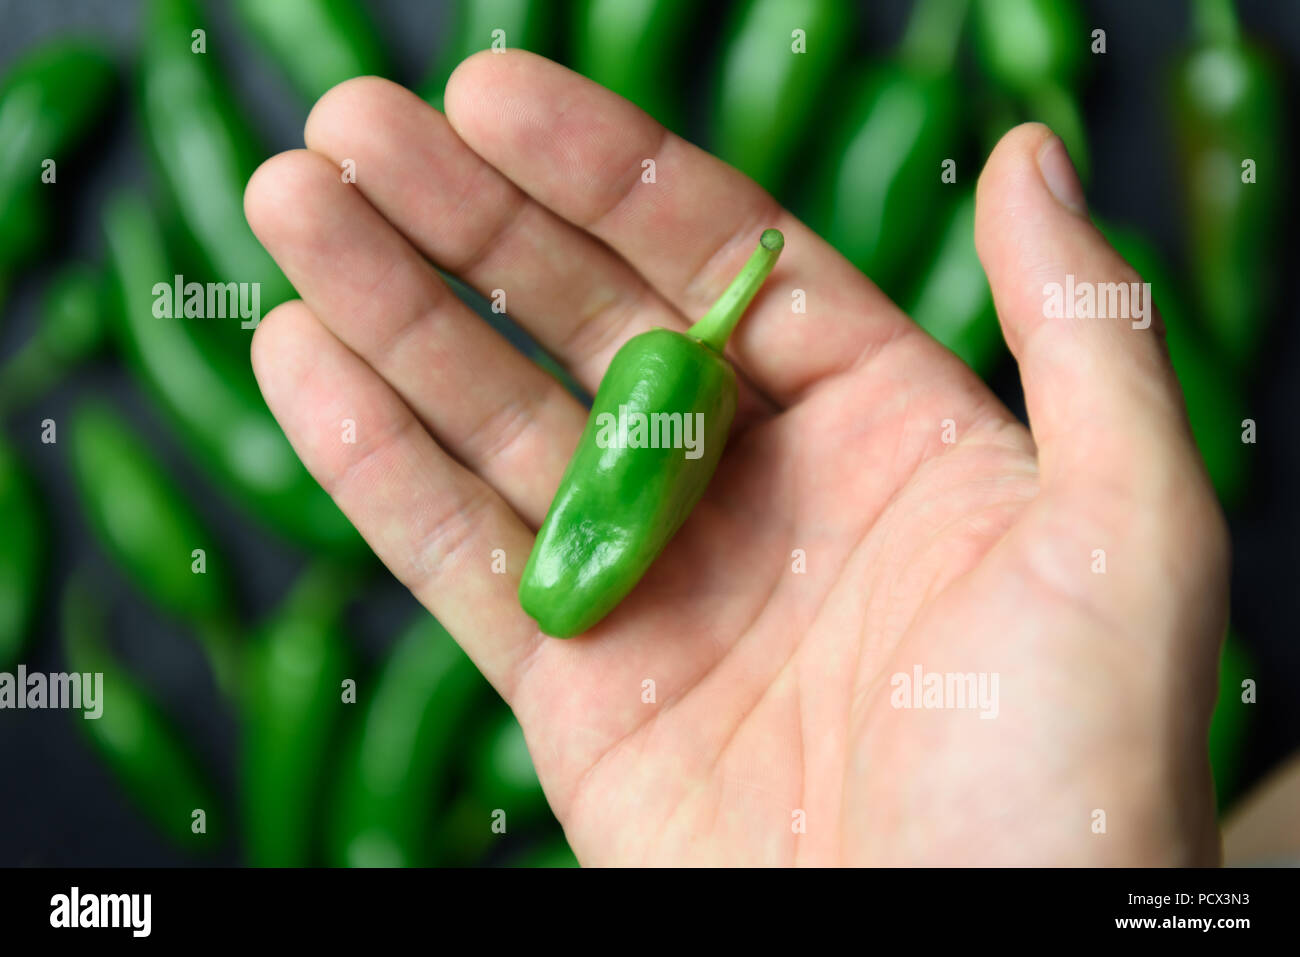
(877, 512)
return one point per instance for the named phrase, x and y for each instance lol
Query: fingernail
(1060, 177)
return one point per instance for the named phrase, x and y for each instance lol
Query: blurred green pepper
(22, 554)
(211, 396)
(1025, 43)
(953, 301)
(317, 43)
(1229, 122)
(206, 153)
(72, 326)
(632, 47)
(886, 185)
(48, 99)
(464, 834)
(295, 668)
(390, 780)
(502, 794)
(1033, 51)
(553, 853)
(502, 774)
(133, 735)
(488, 25)
(780, 58)
(26, 228)
(148, 527)
(1212, 390)
(1230, 723)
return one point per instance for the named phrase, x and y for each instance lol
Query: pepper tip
(772, 239)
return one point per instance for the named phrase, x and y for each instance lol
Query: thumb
(1104, 404)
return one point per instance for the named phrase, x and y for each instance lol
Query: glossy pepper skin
(146, 525)
(766, 92)
(1228, 108)
(210, 395)
(294, 674)
(618, 505)
(632, 47)
(953, 301)
(22, 554)
(395, 771)
(883, 188)
(473, 26)
(48, 99)
(136, 739)
(317, 43)
(205, 152)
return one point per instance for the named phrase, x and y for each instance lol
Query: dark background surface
(59, 806)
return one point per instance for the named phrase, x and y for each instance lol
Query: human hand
(772, 689)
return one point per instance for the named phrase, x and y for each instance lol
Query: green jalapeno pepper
(134, 736)
(1033, 51)
(885, 186)
(22, 554)
(26, 228)
(416, 710)
(72, 326)
(1022, 43)
(769, 85)
(1230, 723)
(488, 25)
(1212, 390)
(624, 493)
(465, 834)
(205, 152)
(318, 43)
(48, 99)
(631, 47)
(1229, 125)
(553, 853)
(502, 773)
(502, 793)
(953, 302)
(210, 395)
(146, 525)
(295, 668)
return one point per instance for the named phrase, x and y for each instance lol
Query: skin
(771, 688)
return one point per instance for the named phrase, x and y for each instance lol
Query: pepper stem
(714, 328)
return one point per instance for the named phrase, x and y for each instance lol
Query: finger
(575, 296)
(486, 403)
(586, 153)
(433, 523)
(1102, 398)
